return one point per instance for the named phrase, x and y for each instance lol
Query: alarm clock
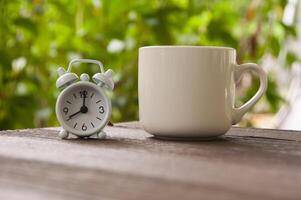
(82, 107)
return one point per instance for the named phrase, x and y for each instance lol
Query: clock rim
(79, 133)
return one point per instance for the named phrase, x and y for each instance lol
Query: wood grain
(131, 164)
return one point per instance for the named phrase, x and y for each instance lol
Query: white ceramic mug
(189, 91)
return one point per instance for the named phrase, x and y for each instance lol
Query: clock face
(83, 109)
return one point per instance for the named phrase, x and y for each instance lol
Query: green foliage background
(37, 36)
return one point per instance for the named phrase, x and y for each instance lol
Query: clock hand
(74, 115)
(84, 100)
(84, 93)
(84, 108)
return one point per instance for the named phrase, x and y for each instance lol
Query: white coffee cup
(189, 91)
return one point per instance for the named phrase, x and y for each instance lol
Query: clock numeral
(84, 127)
(65, 110)
(83, 94)
(101, 109)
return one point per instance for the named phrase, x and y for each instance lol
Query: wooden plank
(79, 183)
(131, 164)
(245, 132)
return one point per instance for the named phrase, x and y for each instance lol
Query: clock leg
(63, 134)
(101, 135)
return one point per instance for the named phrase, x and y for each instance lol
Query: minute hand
(84, 98)
(84, 101)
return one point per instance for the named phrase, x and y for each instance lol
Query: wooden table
(131, 164)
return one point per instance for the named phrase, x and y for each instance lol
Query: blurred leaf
(273, 97)
(26, 23)
(290, 59)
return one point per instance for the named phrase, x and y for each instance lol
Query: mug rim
(187, 47)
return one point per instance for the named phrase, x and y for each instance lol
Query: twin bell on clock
(83, 108)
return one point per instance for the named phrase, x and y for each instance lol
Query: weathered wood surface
(130, 164)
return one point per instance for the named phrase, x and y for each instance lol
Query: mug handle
(238, 113)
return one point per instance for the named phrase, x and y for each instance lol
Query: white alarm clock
(83, 108)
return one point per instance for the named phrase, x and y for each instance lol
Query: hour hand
(73, 115)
